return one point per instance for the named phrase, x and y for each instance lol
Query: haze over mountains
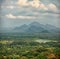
(36, 27)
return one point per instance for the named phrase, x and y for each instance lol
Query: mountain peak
(35, 23)
(37, 27)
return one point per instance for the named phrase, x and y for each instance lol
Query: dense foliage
(25, 47)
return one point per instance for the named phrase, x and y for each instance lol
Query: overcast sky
(17, 12)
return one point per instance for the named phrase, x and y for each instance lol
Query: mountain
(22, 28)
(36, 27)
(52, 28)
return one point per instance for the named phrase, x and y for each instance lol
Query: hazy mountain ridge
(36, 27)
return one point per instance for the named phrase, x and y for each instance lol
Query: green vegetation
(25, 47)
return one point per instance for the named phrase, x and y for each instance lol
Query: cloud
(22, 2)
(10, 16)
(52, 7)
(51, 14)
(20, 17)
(34, 3)
(10, 7)
(37, 4)
(42, 6)
(26, 17)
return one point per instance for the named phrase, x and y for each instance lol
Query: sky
(14, 13)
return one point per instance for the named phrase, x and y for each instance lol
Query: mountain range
(36, 27)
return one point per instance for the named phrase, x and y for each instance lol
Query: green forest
(29, 46)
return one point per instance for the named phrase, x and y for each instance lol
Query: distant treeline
(30, 35)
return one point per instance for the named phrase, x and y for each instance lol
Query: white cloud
(26, 17)
(10, 16)
(22, 2)
(37, 4)
(42, 6)
(34, 3)
(52, 7)
(10, 7)
(20, 17)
